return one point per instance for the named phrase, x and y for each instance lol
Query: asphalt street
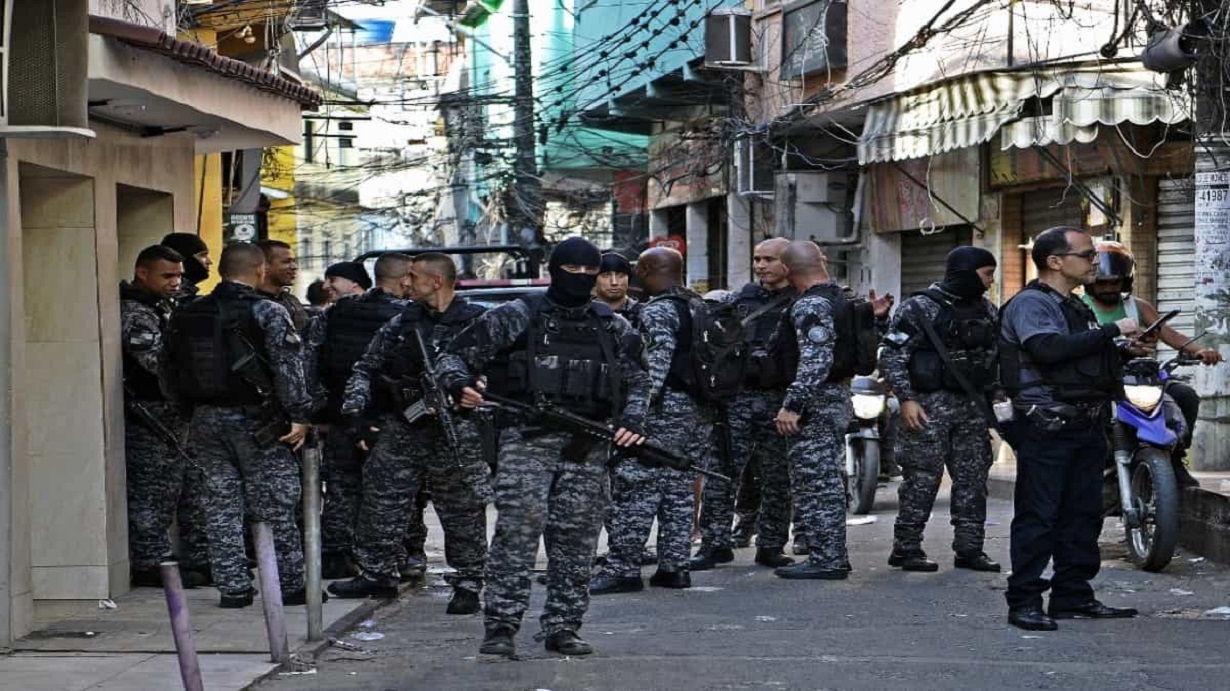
(740, 627)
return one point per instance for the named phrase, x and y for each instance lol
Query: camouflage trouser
(241, 475)
(342, 472)
(640, 493)
(817, 464)
(956, 436)
(394, 472)
(416, 533)
(750, 418)
(538, 492)
(155, 476)
(193, 548)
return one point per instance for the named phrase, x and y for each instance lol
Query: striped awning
(970, 110)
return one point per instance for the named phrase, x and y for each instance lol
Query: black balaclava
(960, 272)
(189, 246)
(569, 289)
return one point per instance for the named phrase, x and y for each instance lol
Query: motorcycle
(1145, 427)
(869, 398)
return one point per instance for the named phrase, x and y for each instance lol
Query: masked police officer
(335, 341)
(944, 424)
(236, 358)
(750, 425)
(1061, 370)
(386, 381)
(565, 349)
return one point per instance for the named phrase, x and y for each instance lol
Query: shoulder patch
(818, 334)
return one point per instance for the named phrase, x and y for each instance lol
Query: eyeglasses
(1087, 255)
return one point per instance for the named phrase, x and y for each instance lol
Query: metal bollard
(271, 592)
(181, 628)
(311, 538)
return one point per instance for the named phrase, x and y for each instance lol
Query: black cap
(351, 270)
(614, 261)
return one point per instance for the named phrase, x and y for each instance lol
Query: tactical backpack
(857, 339)
(711, 360)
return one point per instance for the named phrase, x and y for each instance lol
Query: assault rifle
(554, 416)
(151, 422)
(435, 401)
(253, 369)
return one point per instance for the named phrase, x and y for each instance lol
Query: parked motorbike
(869, 398)
(1145, 427)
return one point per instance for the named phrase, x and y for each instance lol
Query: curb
(311, 649)
(1204, 518)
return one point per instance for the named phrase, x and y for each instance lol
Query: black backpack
(854, 352)
(711, 362)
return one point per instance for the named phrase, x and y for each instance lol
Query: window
(345, 126)
(813, 37)
(345, 143)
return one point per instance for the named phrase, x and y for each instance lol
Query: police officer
(612, 286)
(155, 470)
(346, 278)
(550, 483)
(335, 341)
(750, 420)
(815, 414)
(387, 380)
(197, 262)
(235, 356)
(1061, 370)
(640, 492)
(280, 278)
(943, 424)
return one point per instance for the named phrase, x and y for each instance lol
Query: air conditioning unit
(808, 206)
(45, 68)
(820, 187)
(311, 15)
(728, 38)
(754, 165)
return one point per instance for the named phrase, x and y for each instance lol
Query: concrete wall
(68, 526)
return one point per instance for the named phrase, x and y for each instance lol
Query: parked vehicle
(869, 398)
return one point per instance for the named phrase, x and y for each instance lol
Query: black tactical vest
(207, 337)
(968, 333)
(399, 379)
(753, 297)
(680, 376)
(565, 356)
(1093, 378)
(350, 326)
(140, 382)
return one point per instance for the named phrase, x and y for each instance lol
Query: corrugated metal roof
(189, 53)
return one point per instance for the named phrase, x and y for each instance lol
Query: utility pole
(523, 201)
(1212, 237)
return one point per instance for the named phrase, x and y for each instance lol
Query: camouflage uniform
(750, 418)
(193, 547)
(155, 471)
(298, 313)
(539, 492)
(816, 453)
(405, 455)
(956, 436)
(239, 474)
(639, 492)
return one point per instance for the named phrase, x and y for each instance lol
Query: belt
(1058, 416)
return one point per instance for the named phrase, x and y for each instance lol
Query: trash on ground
(766, 618)
(860, 520)
(346, 646)
(1180, 591)
(107, 604)
(1031, 637)
(703, 589)
(297, 673)
(1197, 560)
(367, 624)
(367, 635)
(1217, 612)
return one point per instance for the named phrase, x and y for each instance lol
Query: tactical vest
(760, 330)
(350, 326)
(969, 335)
(1092, 378)
(845, 357)
(565, 356)
(399, 383)
(142, 383)
(680, 376)
(207, 337)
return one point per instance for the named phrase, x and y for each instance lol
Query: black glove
(359, 428)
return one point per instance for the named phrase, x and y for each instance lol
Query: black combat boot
(609, 584)
(336, 565)
(499, 641)
(464, 601)
(299, 597)
(677, 580)
(708, 557)
(975, 561)
(197, 577)
(237, 600)
(146, 578)
(567, 642)
(772, 557)
(809, 571)
(912, 560)
(412, 567)
(360, 587)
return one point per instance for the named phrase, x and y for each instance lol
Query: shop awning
(1072, 99)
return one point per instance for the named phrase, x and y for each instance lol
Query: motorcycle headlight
(867, 406)
(1143, 396)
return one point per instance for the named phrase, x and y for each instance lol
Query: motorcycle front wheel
(866, 474)
(1156, 495)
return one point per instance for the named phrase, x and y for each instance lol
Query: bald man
(749, 422)
(675, 419)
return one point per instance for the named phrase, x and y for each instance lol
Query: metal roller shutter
(922, 256)
(1176, 251)
(1049, 208)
